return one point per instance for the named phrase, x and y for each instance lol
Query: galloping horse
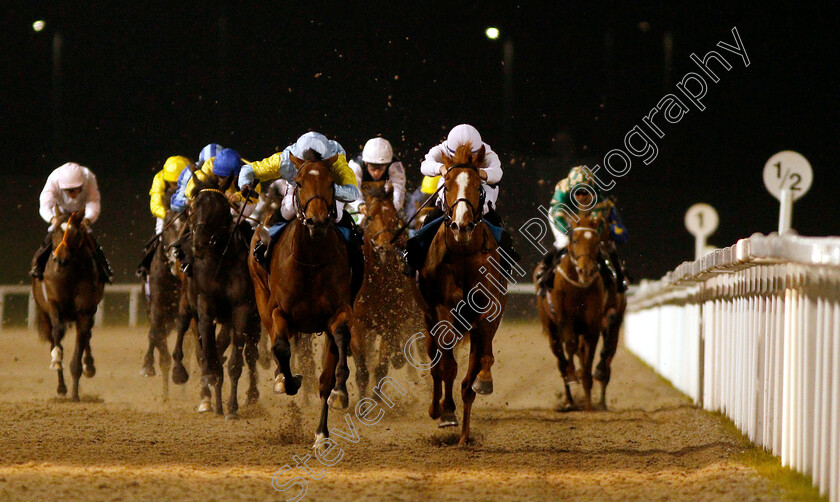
(573, 311)
(221, 291)
(308, 290)
(164, 297)
(385, 299)
(70, 291)
(459, 276)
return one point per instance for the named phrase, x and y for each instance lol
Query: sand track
(123, 442)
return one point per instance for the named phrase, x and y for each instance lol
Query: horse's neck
(309, 246)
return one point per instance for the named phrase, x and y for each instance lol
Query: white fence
(753, 331)
(134, 292)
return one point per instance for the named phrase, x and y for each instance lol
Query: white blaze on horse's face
(462, 216)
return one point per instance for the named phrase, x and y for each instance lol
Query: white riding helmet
(377, 151)
(462, 134)
(71, 175)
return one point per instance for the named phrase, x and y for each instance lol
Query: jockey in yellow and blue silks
(561, 220)
(164, 181)
(280, 165)
(179, 199)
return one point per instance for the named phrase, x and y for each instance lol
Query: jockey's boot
(146, 263)
(545, 270)
(102, 262)
(355, 254)
(261, 248)
(39, 261)
(620, 275)
(417, 247)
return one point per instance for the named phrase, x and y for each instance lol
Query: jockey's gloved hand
(247, 178)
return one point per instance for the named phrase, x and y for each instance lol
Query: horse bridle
(476, 211)
(213, 242)
(300, 208)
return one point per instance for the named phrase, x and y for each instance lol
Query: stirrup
(36, 273)
(261, 254)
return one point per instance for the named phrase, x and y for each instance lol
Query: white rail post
(2, 299)
(99, 317)
(133, 302)
(30, 312)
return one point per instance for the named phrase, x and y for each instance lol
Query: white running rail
(753, 331)
(134, 292)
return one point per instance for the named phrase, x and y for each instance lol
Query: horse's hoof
(232, 415)
(180, 375)
(89, 370)
(252, 397)
(448, 420)
(571, 379)
(205, 406)
(75, 398)
(338, 399)
(483, 387)
(56, 365)
(319, 436)
(279, 384)
(61, 390)
(147, 371)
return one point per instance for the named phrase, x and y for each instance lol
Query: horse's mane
(312, 155)
(464, 154)
(202, 183)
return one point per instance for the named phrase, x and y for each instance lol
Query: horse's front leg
(340, 332)
(212, 375)
(57, 351)
(185, 317)
(252, 354)
(358, 347)
(284, 381)
(84, 323)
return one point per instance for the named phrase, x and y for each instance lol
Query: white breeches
(560, 239)
(158, 225)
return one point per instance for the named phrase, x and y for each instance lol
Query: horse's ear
(478, 158)
(296, 161)
(330, 161)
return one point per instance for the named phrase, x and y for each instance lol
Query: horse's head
(584, 243)
(210, 218)
(68, 237)
(314, 193)
(463, 192)
(382, 220)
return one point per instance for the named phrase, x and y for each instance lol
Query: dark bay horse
(220, 291)
(69, 293)
(460, 275)
(382, 310)
(308, 289)
(164, 296)
(573, 312)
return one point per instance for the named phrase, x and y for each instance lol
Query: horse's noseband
(300, 207)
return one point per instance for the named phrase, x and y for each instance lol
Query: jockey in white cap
(490, 173)
(69, 189)
(376, 163)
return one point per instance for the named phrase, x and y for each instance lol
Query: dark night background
(141, 83)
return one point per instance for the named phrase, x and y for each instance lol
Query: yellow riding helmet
(173, 166)
(430, 184)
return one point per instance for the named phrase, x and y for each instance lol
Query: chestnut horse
(461, 276)
(308, 290)
(573, 312)
(385, 300)
(70, 291)
(221, 292)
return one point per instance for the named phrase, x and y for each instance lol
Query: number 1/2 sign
(788, 170)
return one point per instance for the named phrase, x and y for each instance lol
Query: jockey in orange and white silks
(376, 163)
(69, 189)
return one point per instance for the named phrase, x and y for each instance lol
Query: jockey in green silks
(574, 192)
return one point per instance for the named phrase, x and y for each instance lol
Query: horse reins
(476, 211)
(579, 284)
(413, 216)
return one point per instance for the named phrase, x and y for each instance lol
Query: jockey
(165, 180)
(179, 198)
(491, 174)
(376, 163)
(69, 188)
(279, 165)
(560, 222)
